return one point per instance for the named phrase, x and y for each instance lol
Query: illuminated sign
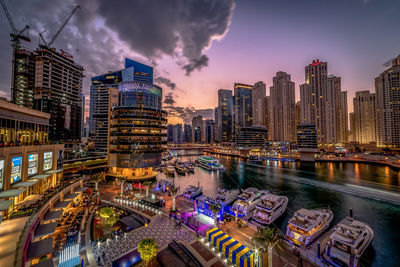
(47, 161)
(16, 164)
(1, 174)
(32, 164)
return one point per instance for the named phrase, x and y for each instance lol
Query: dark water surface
(280, 178)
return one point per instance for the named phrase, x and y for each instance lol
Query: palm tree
(97, 178)
(215, 208)
(269, 237)
(148, 249)
(174, 193)
(147, 184)
(122, 180)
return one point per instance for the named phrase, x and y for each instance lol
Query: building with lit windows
(364, 121)
(104, 95)
(387, 89)
(224, 116)
(137, 135)
(252, 137)
(29, 163)
(307, 141)
(243, 111)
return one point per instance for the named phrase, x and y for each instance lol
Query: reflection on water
(382, 217)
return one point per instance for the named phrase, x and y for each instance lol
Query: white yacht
(348, 242)
(192, 191)
(169, 170)
(209, 163)
(306, 225)
(226, 196)
(270, 208)
(247, 201)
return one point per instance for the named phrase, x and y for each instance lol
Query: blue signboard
(16, 164)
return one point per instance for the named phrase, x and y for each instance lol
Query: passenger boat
(270, 208)
(180, 170)
(162, 186)
(306, 225)
(348, 242)
(209, 163)
(189, 168)
(191, 192)
(247, 201)
(169, 170)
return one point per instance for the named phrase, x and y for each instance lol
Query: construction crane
(62, 26)
(16, 35)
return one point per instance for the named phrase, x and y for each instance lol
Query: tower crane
(16, 35)
(62, 27)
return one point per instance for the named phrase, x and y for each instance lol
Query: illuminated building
(187, 133)
(282, 108)
(243, 110)
(307, 141)
(387, 89)
(364, 124)
(198, 129)
(224, 116)
(137, 134)
(29, 163)
(209, 131)
(258, 94)
(104, 94)
(252, 137)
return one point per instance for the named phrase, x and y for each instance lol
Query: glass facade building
(137, 131)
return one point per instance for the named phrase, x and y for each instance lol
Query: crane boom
(62, 26)
(9, 17)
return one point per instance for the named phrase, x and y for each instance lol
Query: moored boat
(247, 201)
(209, 163)
(270, 208)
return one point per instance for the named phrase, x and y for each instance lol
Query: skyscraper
(243, 111)
(187, 133)
(177, 134)
(209, 131)
(364, 130)
(267, 120)
(282, 108)
(258, 94)
(298, 113)
(224, 116)
(57, 90)
(387, 88)
(198, 129)
(324, 104)
(23, 78)
(104, 93)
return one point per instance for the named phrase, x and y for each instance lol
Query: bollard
(319, 250)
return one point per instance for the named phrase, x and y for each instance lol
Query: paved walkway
(161, 228)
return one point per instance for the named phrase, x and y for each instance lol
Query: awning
(40, 176)
(80, 189)
(45, 263)
(54, 171)
(28, 183)
(71, 196)
(29, 200)
(52, 215)
(11, 193)
(39, 249)
(61, 204)
(5, 204)
(238, 254)
(45, 229)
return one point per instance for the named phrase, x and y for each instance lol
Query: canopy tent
(61, 204)
(23, 184)
(238, 254)
(39, 249)
(71, 196)
(53, 215)
(5, 204)
(54, 171)
(40, 176)
(45, 229)
(11, 193)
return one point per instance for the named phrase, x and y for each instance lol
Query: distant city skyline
(252, 43)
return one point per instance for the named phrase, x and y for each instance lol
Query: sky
(198, 47)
